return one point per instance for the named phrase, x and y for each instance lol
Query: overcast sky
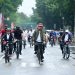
(26, 7)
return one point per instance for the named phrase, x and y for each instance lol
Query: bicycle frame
(66, 51)
(39, 52)
(7, 53)
(17, 49)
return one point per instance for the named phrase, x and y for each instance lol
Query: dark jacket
(18, 34)
(10, 38)
(63, 37)
(36, 33)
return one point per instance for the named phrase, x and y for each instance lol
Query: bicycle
(40, 47)
(30, 41)
(51, 42)
(17, 49)
(7, 57)
(66, 51)
(24, 43)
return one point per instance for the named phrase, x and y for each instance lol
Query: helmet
(66, 31)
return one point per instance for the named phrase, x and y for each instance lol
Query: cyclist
(24, 36)
(18, 36)
(3, 31)
(51, 38)
(39, 37)
(55, 37)
(8, 37)
(47, 37)
(30, 34)
(65, 38)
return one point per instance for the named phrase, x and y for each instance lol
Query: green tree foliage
(35, 17)
(9, 6)
(52, 11)
(21, 18)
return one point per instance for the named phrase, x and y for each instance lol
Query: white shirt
(24, 35)
(30, 33)
(66, 37)
(39, 38)
(8, 36)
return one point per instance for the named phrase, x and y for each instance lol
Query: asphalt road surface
(53, 63)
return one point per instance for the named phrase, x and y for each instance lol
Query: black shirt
(18, 34)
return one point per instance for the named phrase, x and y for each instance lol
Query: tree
(21, 18)
(52, 11)
(9, 6)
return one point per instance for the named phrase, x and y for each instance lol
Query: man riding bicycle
(3, 32)
(39, 38)
(64, 39)
(8, 38)
(18, 36)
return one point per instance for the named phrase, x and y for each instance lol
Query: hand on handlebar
(15, 40)
(4, 42)
(44, 42)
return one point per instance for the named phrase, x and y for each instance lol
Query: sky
(26, 7)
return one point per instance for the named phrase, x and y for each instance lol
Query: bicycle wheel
(8, 60)
(17, 56)
(6, 56)
(17, 52)
(5, 60)
(24, 44)
(30, 43)
(68, 54)
(39, 55)
(64, 52)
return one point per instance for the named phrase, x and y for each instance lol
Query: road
(53, 63)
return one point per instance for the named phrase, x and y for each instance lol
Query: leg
(20, 43)
(35, 49)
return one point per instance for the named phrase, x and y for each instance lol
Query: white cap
(67, 31)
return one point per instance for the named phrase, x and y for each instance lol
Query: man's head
(40, 26)
(66, 31)
(8, 31)
(5, 26)
(17, 27)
